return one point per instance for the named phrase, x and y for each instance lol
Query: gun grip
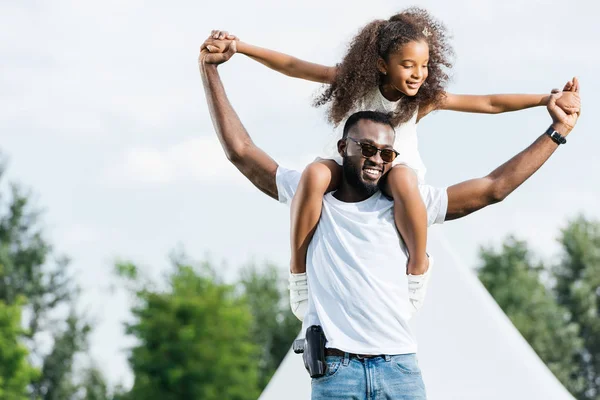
(298, 346)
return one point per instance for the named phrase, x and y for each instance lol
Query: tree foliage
(194, 339)
(514, 281)
(578, 289)
(37, 281)
(274, 325)
(555, 307)
(15, 371)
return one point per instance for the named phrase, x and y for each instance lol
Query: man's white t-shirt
(356, 270)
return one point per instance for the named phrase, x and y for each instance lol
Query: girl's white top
(406, 142)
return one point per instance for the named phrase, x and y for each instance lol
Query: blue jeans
(386, 377)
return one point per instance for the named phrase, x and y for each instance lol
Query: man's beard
(352, 174)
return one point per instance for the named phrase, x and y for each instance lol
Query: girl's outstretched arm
(492, 103)
(280, 62)
(288, 65)
(500, 103)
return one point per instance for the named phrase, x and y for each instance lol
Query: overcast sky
(103, 115)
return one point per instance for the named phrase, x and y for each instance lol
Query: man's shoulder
(287, 182)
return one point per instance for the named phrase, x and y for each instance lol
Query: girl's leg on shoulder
(317, 179)
(410, 215)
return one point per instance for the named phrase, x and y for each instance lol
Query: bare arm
(254, 163)
(486, 104)
(492, 103)
(280, 62)
(475, 194)
(288, 65)
(501, 103)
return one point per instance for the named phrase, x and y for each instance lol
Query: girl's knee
(402, 177)
(316, 176)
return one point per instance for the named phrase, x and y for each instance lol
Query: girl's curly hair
(358, 74)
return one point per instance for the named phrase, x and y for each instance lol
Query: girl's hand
(570, 102)
(560, 118)
(216, 45)
(220, 35)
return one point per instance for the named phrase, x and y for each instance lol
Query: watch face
(557, 137)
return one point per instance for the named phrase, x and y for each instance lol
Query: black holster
(312, 348)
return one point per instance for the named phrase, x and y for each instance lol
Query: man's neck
(349, 194)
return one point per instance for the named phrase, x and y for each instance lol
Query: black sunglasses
(368, 150)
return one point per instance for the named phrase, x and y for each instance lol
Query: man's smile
(372, 172)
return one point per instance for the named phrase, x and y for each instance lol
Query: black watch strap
(555, 136)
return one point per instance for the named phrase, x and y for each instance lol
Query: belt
(340, 353)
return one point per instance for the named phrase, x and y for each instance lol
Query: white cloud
(199, 159)
(76, 235)
(194, 159)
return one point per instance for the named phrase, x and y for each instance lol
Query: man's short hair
(375, 116)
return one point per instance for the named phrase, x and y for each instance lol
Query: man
(358, 291)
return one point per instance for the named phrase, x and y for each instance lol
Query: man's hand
(215, 45)
(562, 122)
(218, 41)
(209, 54)
(569, 102)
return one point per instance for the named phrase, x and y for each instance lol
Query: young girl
(398, 66)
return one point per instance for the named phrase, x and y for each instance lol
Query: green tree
(15, 371)
(57, 380)
(94, 385)
(31, 270)
(577, 288)
(194, 338)
(515, 283)
(274, 327)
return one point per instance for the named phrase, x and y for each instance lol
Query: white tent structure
(468, 348)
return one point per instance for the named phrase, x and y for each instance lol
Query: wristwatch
(555, 136)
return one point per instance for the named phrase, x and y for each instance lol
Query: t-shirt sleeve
(287, 182)
(436, 203)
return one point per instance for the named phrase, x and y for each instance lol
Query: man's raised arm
(469, 196)
(254, 163)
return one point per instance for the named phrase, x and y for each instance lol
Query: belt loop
(346, 359)
(387, 357)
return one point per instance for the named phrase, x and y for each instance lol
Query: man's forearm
(510, 175)
(470, 196)
(252, 162)
(229, 128)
